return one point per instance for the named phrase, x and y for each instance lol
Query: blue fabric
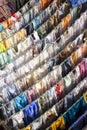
(1, 28)
(12, 91)
(10, 8)
(20, 102)
(37, 22)
(75, 3)
(53, 63)
(80, 123)
(69, 100)
(75, 112)
(31, 112)
(28, 115)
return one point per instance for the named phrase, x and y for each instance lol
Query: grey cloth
(17, 4)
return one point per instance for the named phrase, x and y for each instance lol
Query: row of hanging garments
(43, 66)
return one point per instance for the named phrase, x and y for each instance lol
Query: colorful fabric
(11, 10)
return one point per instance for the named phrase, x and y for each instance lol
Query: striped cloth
(10, 6)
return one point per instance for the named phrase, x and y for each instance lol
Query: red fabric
(59, 90)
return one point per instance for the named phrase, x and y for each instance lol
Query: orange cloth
(74, 58)
(65, 22)
(10, 22)
(5, 24)
(45, 3)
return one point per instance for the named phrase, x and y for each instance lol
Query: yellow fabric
(28, 128)
(85, 97)
(24, 32)
(74, 58)
(21, 34)
(2, 47)
(53, 126)
(60, 123)
(6, 44)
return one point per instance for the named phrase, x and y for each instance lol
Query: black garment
(20, 3)
(66, 67)
(2, 128)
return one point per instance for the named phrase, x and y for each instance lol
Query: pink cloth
(3, 2)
